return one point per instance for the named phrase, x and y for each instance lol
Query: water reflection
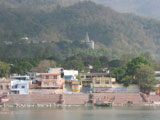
(81, 113)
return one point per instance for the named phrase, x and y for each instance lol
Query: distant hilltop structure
(25, 38)
(89, 43)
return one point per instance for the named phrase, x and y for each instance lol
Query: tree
(74, 64)
(22, 68)
(127, 80)
(146, 78)
(156, 66)
(148, 56)
(44, 65)
(78, 77)
(4, 69)
(104, 61)
(136, 63)
(118, 73)
(115, 63)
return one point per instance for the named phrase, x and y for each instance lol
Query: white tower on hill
(89, 43)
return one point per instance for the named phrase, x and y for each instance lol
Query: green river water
(81, 113)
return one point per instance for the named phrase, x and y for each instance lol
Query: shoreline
(54, 105)
(59, 100)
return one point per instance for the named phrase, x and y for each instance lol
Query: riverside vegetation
(34, 35)
(138, 70)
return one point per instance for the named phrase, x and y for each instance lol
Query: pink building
(5, 85)
(50, 80)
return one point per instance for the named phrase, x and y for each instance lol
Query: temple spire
(89, 43)
(87, 37)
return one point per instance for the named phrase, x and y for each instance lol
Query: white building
(25, 38)
(25, 77)
(157, 75)
(70, 75)
(20, 87)
(20, 84)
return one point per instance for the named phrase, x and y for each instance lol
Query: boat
(105, 102)
(156, 102)
(4, 98)
(109, 104)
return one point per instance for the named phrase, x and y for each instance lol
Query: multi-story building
(70, 75)
(87, 78)
(100, 84)
(157, 77)
(5, 85)
(20, 84)
(20, 87)
(50, 80)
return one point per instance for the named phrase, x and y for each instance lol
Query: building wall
(51, 81)
(45, 91)
(5, 85)
(87, 78)
(70, 75)
(118, 88)
(20, 87)
(102, 82)
(157, 77)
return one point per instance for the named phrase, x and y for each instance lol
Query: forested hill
(46, 5)
(61, 31)
(148, 8)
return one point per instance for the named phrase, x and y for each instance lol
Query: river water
(81, 113)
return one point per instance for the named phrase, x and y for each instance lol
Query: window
(82, 76)
(88, 77)
(47, 77)
(107, 81)
(23, 87)
(54, 77)
(7, 86)
(15, 86)
(97, 82)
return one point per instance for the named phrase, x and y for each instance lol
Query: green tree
(146, 78)
(4, 69)
(74, 64)
(156, 66)
(115, 63)
(44, 65)
(78, 77)
(22, 68)
(127, 80)
(118, 73)
(136, 63)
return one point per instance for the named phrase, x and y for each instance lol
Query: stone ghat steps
(76, 98)
(69, 99)
(122, 98)
(119, 98)
(33, 98)
(155, 98)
